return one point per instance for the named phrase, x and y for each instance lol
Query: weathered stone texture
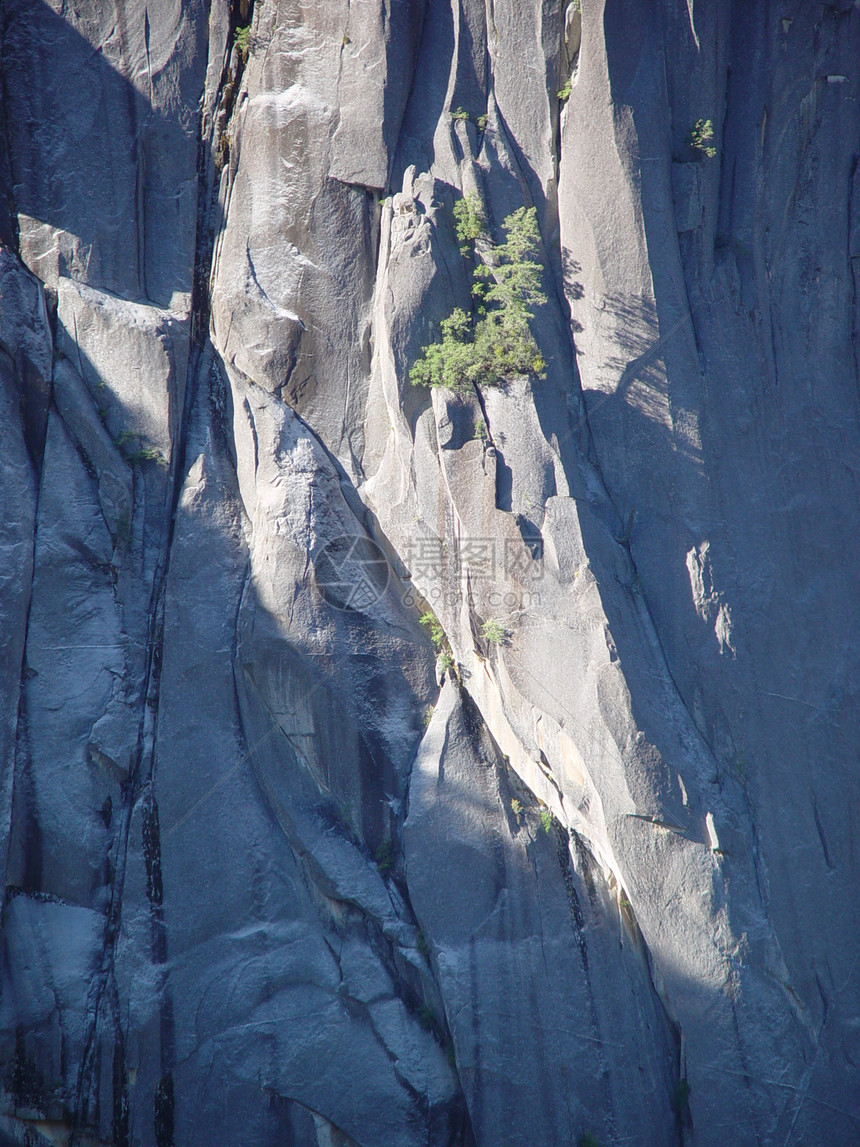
(275, 872)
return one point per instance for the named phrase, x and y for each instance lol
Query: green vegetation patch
(493, 632)
(242, 40)
(434, 628)
(494, 343)
(701, 137)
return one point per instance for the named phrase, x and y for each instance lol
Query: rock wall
(275, 873)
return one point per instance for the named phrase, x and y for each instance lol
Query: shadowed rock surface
(275, 873)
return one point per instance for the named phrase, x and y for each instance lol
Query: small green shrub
(434, 627)
(481, 121)
(451, 361)
(493, 632)
(428, 715)
(701, 137)
(147, 454)
(546, 820)
(480, 429)
(588, 1140)
(516, 807)
(445, 661)
(242, 40)
(385, 856)
(469, 222)
(564, 93)
(131, 438)
(460, 114)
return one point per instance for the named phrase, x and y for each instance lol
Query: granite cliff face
(274, 874)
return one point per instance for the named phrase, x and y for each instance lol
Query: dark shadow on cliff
(426, 104)
(90, 156)
(80, 134)
(324, 713)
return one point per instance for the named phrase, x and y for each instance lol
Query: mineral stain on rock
(281, 869)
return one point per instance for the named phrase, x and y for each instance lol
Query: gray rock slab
(526, 947)
(282, 995)
(51, 954)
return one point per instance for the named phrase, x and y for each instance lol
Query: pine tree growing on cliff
(495, 343)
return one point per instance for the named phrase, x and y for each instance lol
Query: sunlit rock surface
(276, 872)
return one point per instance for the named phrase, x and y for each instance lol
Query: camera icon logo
(352, 572)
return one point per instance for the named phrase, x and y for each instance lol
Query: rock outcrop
(277, 870)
